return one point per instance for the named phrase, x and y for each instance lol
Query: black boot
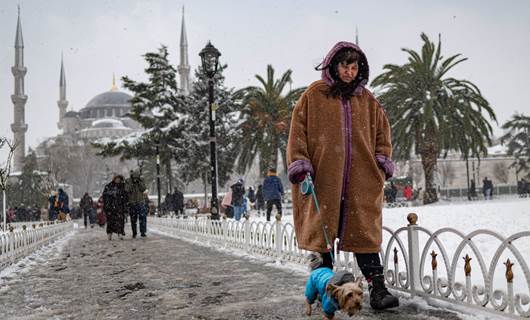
(380, 298)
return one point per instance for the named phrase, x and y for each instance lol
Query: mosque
(103, 116)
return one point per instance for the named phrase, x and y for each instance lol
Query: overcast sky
(101, 37)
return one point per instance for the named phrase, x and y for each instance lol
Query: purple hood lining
(364, 70)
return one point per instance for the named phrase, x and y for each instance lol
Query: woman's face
(347, 72)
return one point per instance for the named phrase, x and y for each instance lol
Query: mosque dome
(110, 99)
(110, 104)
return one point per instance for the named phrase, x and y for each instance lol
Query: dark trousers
(275, 202)
(138, 212)
(369, 263)
(85, 217)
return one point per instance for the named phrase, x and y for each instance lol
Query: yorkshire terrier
(335, 291)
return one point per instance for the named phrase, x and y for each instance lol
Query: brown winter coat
(318, 132)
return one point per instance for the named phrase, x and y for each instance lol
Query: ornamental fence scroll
(22, 240)
(405, 253)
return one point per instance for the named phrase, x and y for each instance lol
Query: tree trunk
(263, 164)
(4, 209)
(274, 157)
(169, 176)
(428, 160)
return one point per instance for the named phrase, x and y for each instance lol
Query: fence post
(278, 239)
(414, 254)
(224, 228)
(246, 224)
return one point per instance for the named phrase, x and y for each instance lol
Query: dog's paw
(307, 309)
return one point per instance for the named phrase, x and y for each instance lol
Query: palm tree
(518, 139)
(265, 115)
(432, 113)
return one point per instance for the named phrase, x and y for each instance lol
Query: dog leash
(308, 188)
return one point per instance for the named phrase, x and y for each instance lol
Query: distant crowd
(238, 200)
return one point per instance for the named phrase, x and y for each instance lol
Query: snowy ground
(88, 277)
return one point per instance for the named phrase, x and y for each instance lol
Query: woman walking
(115, 206)
(340, 135)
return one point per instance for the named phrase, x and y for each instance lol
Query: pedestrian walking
(93, 214)
(62, 204)
(238, 193)
(226, 204)
(53, 208)
(135, 188)
(101, 217)
(178, 202)
(260, 201)
(273, 192)
(167, 205)
(86, 205)
(115, 206)
(487, 188)
(251, 196)
(348, 177)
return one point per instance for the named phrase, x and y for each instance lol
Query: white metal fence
(405, 254)
(24, 239)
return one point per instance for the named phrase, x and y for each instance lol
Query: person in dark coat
(115, 202)
(63, 201)
(135, 188)
(238, 194)
(86, 207)
(167, 205)
(273, 192)
(487, 188)
(178, 202)
(251, 195)
(260, 201)
(53, 207)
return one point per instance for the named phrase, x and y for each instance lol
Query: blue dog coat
(316, 287)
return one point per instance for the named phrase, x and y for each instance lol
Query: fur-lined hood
(364, 70)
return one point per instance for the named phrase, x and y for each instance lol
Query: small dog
(336, 291)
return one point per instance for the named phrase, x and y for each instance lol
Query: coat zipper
(346, 111)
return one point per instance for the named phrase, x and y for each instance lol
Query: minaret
(62, 102)
(184, 67)
(114, 87)
(356, 36)
(19, 127)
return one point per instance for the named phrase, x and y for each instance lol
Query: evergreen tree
(196, 163)
(518, 140)
(28, 189)
(160, 109)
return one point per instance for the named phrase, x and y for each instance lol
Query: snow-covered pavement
(89, 277)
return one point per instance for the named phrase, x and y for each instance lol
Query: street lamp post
(210, 63)
(157, 151)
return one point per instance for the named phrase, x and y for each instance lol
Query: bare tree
(5, 171)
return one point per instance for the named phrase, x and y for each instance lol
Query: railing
(25, 239)
(414, 244)
(499, 191)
